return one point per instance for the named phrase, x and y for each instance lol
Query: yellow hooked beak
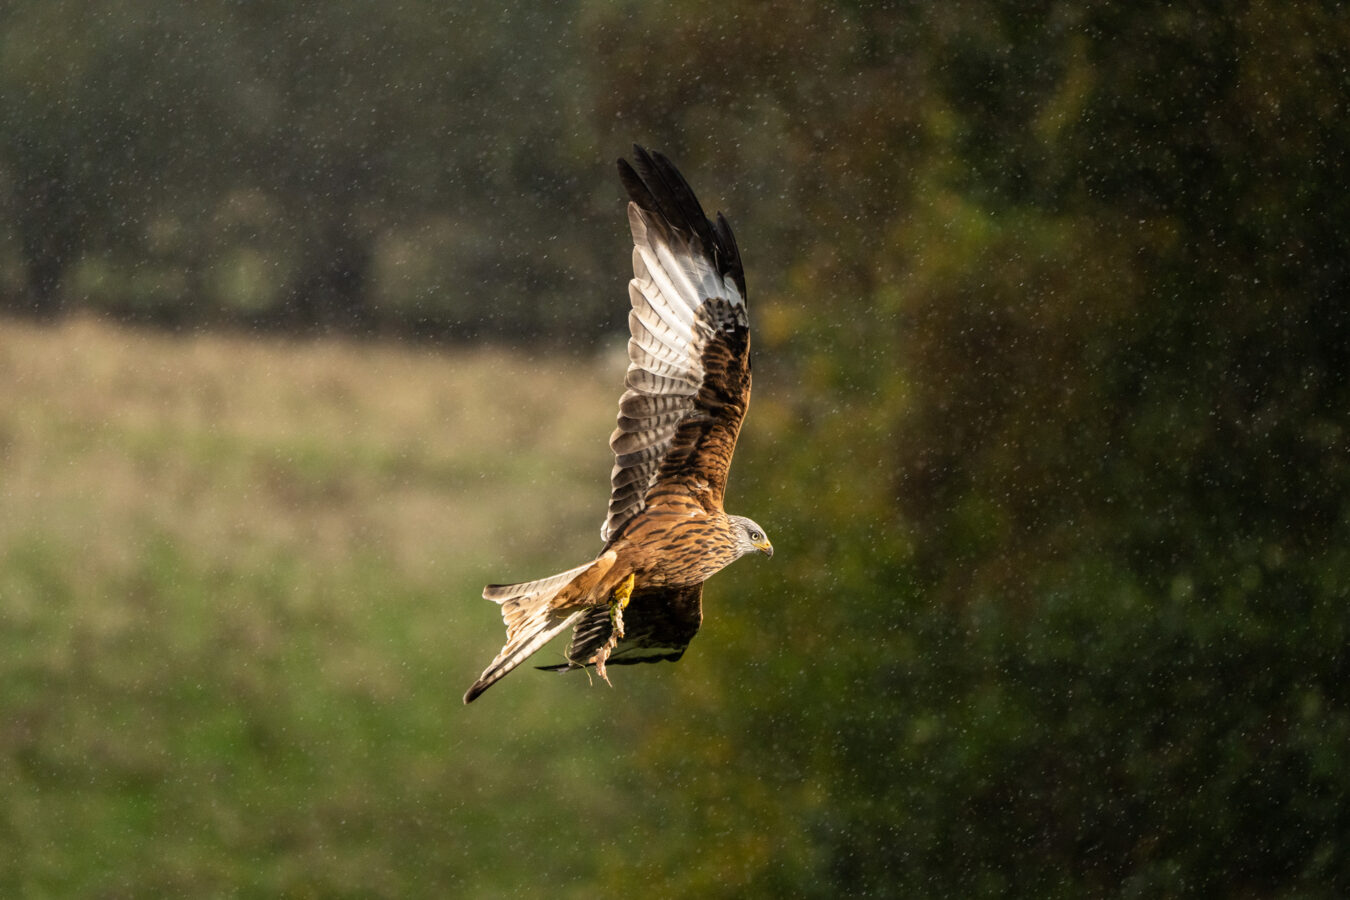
(765, 547)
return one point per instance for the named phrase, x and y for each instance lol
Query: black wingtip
(474, 692)
(633, 184)
(655, 184)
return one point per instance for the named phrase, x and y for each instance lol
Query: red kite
(688, 386)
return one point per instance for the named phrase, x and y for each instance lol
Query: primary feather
(681, 262)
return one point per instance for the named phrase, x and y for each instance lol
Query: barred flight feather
(645, 382)
(645, 347)
(662, 293)
(633, 441)
(661, 323)
(637, 406)
(630, 478)
(638, 457)
(661, 363)
(656, 420)
(686, 292)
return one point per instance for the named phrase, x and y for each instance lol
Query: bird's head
(750, 537)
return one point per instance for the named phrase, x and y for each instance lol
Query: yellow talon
(624, 592)
(618, 602)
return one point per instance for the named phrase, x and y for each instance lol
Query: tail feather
(536, 611)
(538, 629)
(499, 593)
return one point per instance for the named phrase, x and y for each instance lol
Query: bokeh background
(314, 317)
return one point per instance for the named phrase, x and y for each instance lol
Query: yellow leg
(624, 592)
(618, 602)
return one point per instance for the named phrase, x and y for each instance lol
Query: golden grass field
(241, 446)
(239, 603)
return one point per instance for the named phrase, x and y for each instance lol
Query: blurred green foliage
(1050, 423)
(1055, 451)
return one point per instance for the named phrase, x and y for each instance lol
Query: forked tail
(534, 612)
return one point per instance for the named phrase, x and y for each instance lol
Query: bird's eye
(756, 536)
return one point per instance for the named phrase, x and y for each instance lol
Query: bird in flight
(687, 389)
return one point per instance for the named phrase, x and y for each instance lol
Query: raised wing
(658, 625)
(688, 381)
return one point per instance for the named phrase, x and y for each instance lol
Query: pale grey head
(750, 538)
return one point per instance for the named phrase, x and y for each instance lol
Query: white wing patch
(673, 276)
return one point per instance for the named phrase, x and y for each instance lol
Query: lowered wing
(659, 623)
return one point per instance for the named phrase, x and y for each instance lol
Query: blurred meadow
(311, 323)
(240, 582)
